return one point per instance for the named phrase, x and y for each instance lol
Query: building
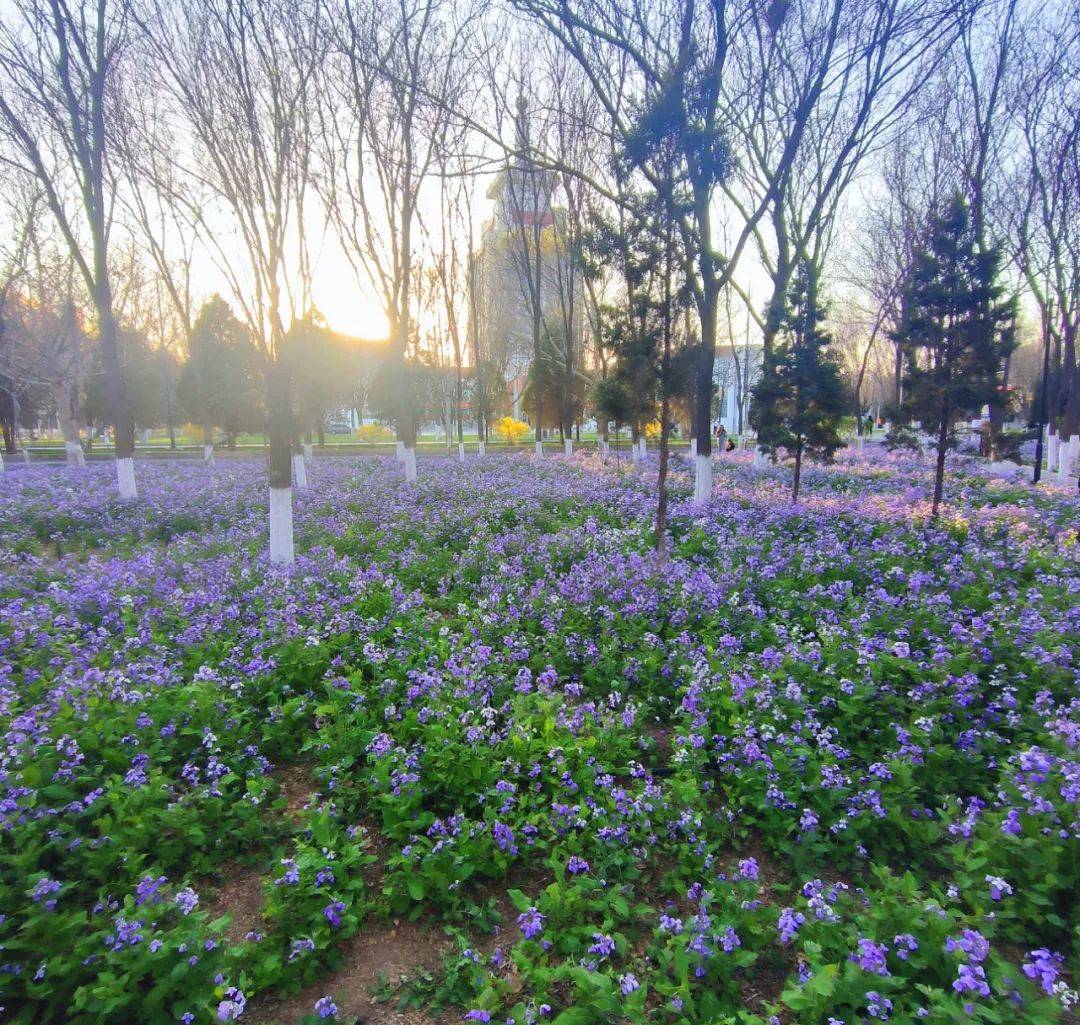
(735, 373)
(523, 221)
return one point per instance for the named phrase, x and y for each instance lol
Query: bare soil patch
(395, 949)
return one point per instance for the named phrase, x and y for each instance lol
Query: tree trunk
(898, 376)
(939, 469)
(63, 396)
(1042, 400)
(1070, 381)
(798, 470)
(702, 418)
(122, 423)
(665, 404)
(279, 425)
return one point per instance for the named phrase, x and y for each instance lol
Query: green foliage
(220, 384)
(322, 368)
(798, 402)
(145, 379)
(955, 330)
(550, 374)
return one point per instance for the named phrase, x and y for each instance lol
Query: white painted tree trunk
(859, 443)
(642, 446)
(480, 448)
(76, 457)
(761, 460)
(568, 446)
(399, 451)
(1066, 450)
(410, 463)
(309, 453)
(2, 467)
(1052, 451)
(539, 450)
(635, 452)
(461, 451)
(299, 470)
(281, 526)
(125, 478)
(703, 479)
(208, 455)
(693, 448)
(26, 456)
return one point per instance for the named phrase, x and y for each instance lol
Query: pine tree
(955, 331)
(220, 383)
(799, 399)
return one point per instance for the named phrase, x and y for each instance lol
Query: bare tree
(845, 74)
(44, 342)
(240, 76)
(452, 261)
(395, 71)
(162, 208)
(58, 67)
(1045, 207)
(23, 216)
(672, 58)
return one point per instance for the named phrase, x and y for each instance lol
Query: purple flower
(628, 983)
(478, 1015)
(531, 923)
(789, 924)
(325, 1008)
(504, 837)
(232, 1006)
(43, 888)
(970, 942)
(146, 891)
(878, 1006)
(576, 866)
(1044, 966)
(292, 873)
(998, 887)
(870, 957)
(748, 869)
(333, 912)
(808, 821)
(904, 944)
(603, 945)
(971, 978)
(186, 900)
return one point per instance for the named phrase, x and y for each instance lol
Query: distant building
(504, 315)
(735, 375)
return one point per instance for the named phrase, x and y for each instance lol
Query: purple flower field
(820, 766)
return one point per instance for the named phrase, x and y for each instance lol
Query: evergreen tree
(613, 401)
(141, 369)
(551, 374)
(219, 384)
(954, 332)
(322, 368)
(798, 401)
